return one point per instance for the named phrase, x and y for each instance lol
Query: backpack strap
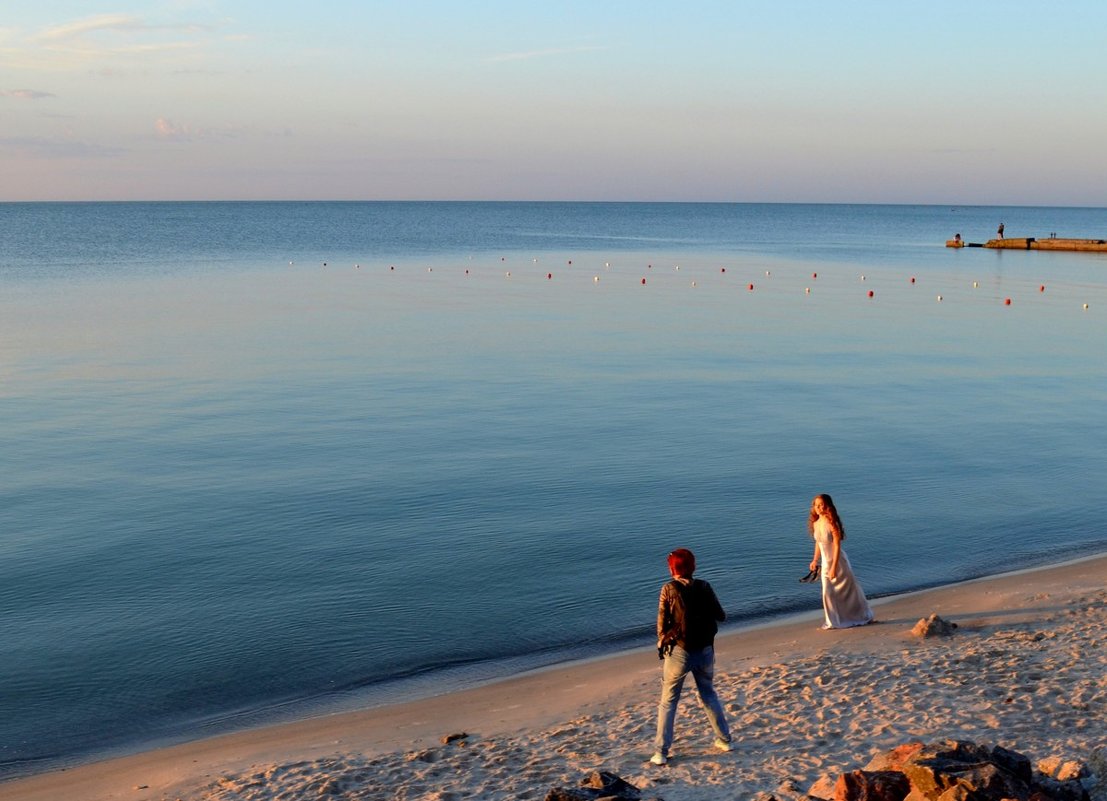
(674, 624)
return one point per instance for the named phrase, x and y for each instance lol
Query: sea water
(264, 460)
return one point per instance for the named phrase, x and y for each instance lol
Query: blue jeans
(677, 665)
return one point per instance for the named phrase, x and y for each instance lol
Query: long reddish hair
(835, 521)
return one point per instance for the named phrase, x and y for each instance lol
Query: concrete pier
(1032, 243)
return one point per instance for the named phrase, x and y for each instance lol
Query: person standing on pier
(1000, 230)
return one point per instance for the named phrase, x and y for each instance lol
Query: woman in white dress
(844, 603)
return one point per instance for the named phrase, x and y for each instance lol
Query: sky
(835, 101)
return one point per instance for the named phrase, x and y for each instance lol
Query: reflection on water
(238, 488)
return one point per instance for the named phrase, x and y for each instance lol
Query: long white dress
(844, 602)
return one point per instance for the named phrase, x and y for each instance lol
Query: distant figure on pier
(957, 238)
(1000, 230)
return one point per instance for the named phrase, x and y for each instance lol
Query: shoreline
(613, 691)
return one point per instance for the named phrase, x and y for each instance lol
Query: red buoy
(870, 293)
(1007, 302)
(643, 282)
(750, 287)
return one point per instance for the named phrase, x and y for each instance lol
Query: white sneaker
(658, 758)
(722, 745)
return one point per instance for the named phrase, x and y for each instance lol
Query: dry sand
(1026, 669)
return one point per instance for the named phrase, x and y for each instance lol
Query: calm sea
(267, 459)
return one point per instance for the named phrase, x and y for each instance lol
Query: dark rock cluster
(934, 626)
(952, 770)
(600, 784)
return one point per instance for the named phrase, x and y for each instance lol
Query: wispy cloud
(119, 34)
(78, 28)
(119, 23)
(165, 128)
(961, 151)
(26, 94)
(42, 147)
(547, 53)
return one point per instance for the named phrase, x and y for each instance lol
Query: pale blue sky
(885, 102)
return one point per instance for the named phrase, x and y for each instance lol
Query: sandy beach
(1026, 669)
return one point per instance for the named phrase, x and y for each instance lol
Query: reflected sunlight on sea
(266, 458)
